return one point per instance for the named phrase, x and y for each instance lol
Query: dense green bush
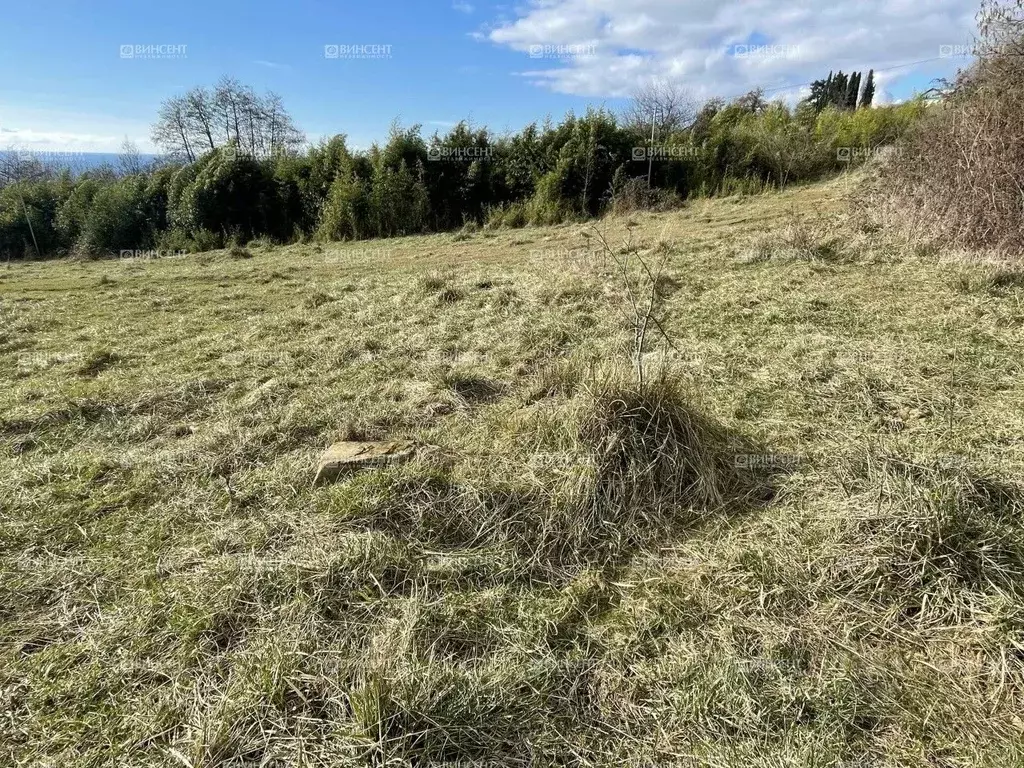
(74, 210)
(118, 218)
(346, 214)
(458, 176)
(304, 182)
(28, 216)
(867, 128)
(510, 215)
(233, 195)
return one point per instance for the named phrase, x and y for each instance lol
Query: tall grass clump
(603, 474)
(657, 459)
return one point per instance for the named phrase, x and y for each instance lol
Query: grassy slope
(173, 591)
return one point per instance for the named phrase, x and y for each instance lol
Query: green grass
(801, 544)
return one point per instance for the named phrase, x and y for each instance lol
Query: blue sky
(64, 85)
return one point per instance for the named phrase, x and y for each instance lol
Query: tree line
(236, 168)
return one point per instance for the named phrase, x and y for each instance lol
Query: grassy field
(799, 544)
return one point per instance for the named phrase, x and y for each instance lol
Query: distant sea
(76, 162)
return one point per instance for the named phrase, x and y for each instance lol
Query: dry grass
(800, 543)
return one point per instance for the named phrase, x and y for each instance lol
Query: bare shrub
(637, 195)
(958, 178)
(640, 276)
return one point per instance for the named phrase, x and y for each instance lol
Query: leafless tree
(204, 119)
(640, 274)
(129, 158)
(238, 110)
(664, 105)
(173, 129)
(10, 166)
(201, 115)
(18, 165)
(1001, 28)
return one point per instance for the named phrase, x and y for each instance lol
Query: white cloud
(462, 6)
(60, 131)
(32, 140)
(693, 42)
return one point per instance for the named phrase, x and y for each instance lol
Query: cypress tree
(819, 94)
(868, 94)
(838, 93)
(852, 89)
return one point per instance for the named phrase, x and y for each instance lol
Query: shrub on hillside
(459, 176)
(230, 194)
(548, 174)
(778, 149)
(508, 215)
(157, 195)
(346, 213)
(399, 202)
(118, 217)
(28, 216)
(957, 179)
(304, 182)
(176, 239)
(866, 128)
(74, 210)
(635, 195)
(552, 202)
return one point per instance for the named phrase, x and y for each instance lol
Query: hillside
(838, 582)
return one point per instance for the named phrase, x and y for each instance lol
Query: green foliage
(405, 147)
(346, 214)
(866, 128)
(399, 204)
(231, 194)
(459, 176)
(841, 91)
(519, 160)
(157, 195)
(74, 211)
(305, 181)
(594, 149)
(778, 148)
(30, 209)
(508, 215)
(578, 168)
(868, 94)
(119, 217)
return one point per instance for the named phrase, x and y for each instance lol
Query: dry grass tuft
(239, 252)
(658, 459)
(798, 240)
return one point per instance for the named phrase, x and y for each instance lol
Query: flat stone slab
(351, 456)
